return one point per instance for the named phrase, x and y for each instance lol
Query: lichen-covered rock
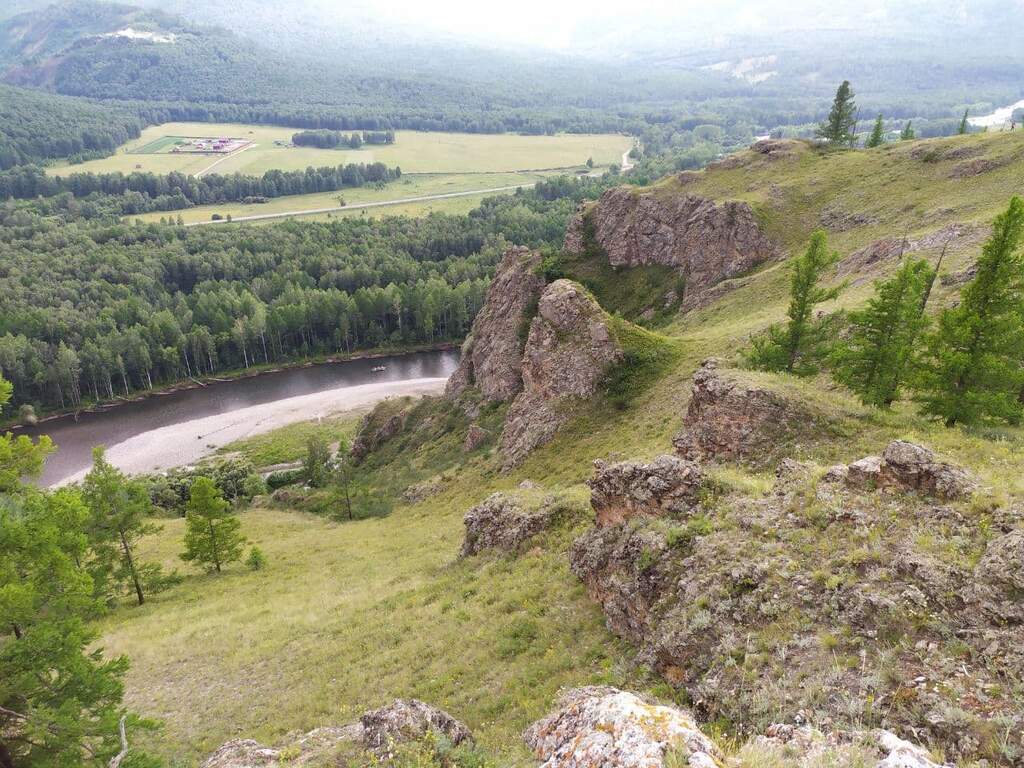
(410, 720)
(902, 754)
(569, 350)
(805, 746)
(492, 355)
(475, 437)
(600, 727)
(730, 419)
(911, 467)
(705, 241)
(502, 521)
(667, 485)
(312, 748)
(999, 578)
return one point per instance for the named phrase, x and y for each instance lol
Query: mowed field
(413, 151)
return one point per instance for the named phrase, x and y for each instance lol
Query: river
(998, 118)
(178, 428)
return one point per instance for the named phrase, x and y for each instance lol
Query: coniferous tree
(907, 134)
(316, 467)
(60, 700)
(118, 508)
(970, 370)
(877, 137)
(796, 346)
(963, 123)
(213, 536)
(873, 361)
(840, 127)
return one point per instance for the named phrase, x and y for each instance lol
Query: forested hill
(36, 126)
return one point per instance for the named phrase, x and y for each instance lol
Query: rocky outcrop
(492, 355)
(803, 745)
(376, 428)
(705, 241)
(475, 437)
(667, 485)
(600, 727)
(309, 749)
(502, 521)
(410, 720)
(404, 720)
(731, 419)
(999, 578)
(911, 467)
(569, 350)
(618, 567)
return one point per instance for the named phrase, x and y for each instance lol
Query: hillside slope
(769, 595)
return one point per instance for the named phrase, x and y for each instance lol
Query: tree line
(327, 139)
(139, 192)
(963, 366)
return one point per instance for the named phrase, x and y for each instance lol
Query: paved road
(357, 206)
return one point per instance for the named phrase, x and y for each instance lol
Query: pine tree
(212, 531)
(840, 127)
(873, 361)
(118, 508)
(907, 134)
(963, 123)
(877, 137)
(970, 370)
(796, 346)
(60, 699)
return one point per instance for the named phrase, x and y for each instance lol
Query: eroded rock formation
(492, 355)
(569, 350)
(503, 521)
(409, 720)
(911, 467)
(706, 242)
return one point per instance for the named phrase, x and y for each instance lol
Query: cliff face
(492, 355)
(705, 241)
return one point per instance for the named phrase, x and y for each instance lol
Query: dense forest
(139, 192)
(97, 311)
(37, 126)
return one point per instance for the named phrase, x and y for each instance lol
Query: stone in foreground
(600, 727)
(410, 720)
(667, 485)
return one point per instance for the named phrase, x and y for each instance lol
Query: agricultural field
(269, 147)
(409, 186)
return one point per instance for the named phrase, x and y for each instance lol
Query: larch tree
(964, 126)
(796, 346)
(908, 134)
(118, 511)
(877, 137)
(213, 536)
(840, 126)
(873, 360)
(970, 370)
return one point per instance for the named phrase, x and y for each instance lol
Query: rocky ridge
(706, 242)
(569, 350)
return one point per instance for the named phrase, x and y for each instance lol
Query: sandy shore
(187, 442)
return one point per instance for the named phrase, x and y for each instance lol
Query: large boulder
(502, 521)
(667, 485)
(384, 422)
(601, 727)
(705, 241)
(569, 350)
(410, 720)
(729, 418)
(492, 355)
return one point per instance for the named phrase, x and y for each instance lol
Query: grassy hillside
(348, 615)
